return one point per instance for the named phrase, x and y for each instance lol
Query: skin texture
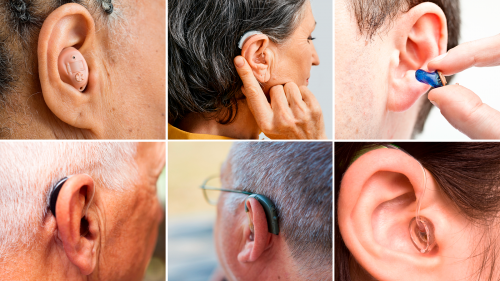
(283, 72)
(243, 255)
(125, 96)
(119, 239)
(459, 105)
(377, 200)
(376, 93)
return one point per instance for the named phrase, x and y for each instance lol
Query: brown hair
(468, 173)
(373, 15)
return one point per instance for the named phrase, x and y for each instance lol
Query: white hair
(28, 171)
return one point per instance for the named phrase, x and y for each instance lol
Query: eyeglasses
(212, 189)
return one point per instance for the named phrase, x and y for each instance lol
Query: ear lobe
(258, 55)
(420, 35)
(258, 239)
(76, 228)
(70, 25)
(377, 201)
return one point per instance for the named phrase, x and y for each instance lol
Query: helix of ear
(422, 234)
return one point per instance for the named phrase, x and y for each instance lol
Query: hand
(459, 105)
(294, 113)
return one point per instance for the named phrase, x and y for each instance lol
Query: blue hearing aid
(269, 209)
(435, 79)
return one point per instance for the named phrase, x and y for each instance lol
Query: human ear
(419, 35)
(258, 55)
(256, 234)
(377, 201)
(77, 228)
(70, 25)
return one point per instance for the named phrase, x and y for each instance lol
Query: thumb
(466, 112)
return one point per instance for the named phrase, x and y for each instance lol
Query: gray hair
(28, 170)
(20, 25)
(297, 177)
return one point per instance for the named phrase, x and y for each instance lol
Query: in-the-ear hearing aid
(269, 209)
(73, 68)
(55, 193)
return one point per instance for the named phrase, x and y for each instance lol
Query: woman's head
(375, 198)
(203, 41)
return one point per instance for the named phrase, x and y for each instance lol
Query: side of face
(132, 218)
(294, 59)
(360, 87)
(376, 93)
(137, 65)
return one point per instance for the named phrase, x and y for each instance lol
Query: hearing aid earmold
(73, 68)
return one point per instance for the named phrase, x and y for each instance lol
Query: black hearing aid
(54, 194)
(269, 209)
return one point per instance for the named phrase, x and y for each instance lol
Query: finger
(479, 53)
(310, 99)
(293, 94)
(279, 102)
(466, 112)
(256, 98)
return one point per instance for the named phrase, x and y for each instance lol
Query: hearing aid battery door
(73, 68)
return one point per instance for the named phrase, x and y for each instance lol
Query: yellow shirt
(178, 134)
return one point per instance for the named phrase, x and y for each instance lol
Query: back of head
(203, 40)
(297, 177)
(28, 170)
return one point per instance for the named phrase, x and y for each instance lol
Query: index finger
(253, 92)
(479, 53)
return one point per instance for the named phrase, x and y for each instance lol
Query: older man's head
(123, 43)
(111, 240)
(297, 178)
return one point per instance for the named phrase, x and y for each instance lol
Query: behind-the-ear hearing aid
(421, 228)
(269, 209)
(73, 68)
(55, 193)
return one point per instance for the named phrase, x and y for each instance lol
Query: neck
(32, 119)
(243, 126)
(43, 260)
(400, 125)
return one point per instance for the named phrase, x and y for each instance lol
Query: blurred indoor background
(191, 251)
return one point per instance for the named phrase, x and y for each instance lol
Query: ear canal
(422, 234)
(73, 68)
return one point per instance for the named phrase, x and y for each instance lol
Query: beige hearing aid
(73, 68)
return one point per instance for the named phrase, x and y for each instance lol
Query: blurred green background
(191, 253)
(156, 270)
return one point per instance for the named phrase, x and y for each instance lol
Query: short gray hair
(297, 177)
(28, 170)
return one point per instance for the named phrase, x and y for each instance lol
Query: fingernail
(239, 61)
(438, 58)
(435, 104)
